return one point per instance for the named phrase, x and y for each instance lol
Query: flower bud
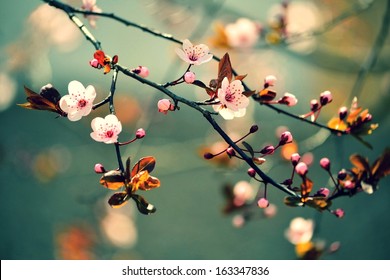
(254, 128)
(208, 155)
(288, 99)
(348, 184)
(287, 182)
(285, 138)
(342, 174)
(142, 71)
(263, 203)
(164, 105)
(140, 133)
(231, 152)
(268, 150)
(314, 105)
(251, 172)
(339, 213)
(115, 59)
(259, 160)
(189, 77)
(295, 157)
(270, 80)
(343, 111)
(238, 221)
(95, 63)
(323, 192)
(270, 211)
(325, 163)
(99, 168)
(301, 168)
(325, 97)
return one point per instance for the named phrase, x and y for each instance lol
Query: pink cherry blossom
(295, 158)
(140, 133)
(244, 33)
(165, 105)
(325, 163)
(90, 5)
(288, 99)
(78, 103)
(142, 71)
(195, 55)
(106, 130)
(270, 80)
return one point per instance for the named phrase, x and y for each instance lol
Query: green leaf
(143, 206)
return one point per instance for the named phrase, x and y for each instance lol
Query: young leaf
(118, 199)
(143, 181)
(143, 206)
(224, 69)
(146, 163)
(249, 148)
(113, 179)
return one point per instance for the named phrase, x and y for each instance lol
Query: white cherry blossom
(78, 103)
(195, 55)
(106, 130)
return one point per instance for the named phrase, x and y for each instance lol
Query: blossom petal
(183, 55)
(76, 116)
(90, 93)
(205, 58)
(226, 113)
(75, 88)
(240, 113)
(65, 102)
(187, 47)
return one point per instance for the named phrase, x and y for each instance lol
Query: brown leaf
(145, 163)
(360, 162)
(143, 206)
(118, 199)
(224, 69)
(381, 167)
(113, 179)
(47, 100)
(249, 93)
(240, 77)
(306, 187)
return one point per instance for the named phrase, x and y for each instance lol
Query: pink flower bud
(339, 213)
(140, 133)
(343, 111)
(95, 63)
(142, 71)
(285, 138)
(270, 80)
(367, 118)
(231, 152)
(164, 105)
(251, 172)
(238, 221)
(189, 77)
(295, 159)
(270, 211)
(208, 155)
(348, 184)
(314, 105)
(259, 160)
(263, 203)
(268, 150)
(326, 97)
(301, 168)
(325, 163)
(288, 99)
(323, 192)
(99, 168)
(254, 128)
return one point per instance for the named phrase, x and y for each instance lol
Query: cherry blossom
(90, 5)
(232, 102)
(300, 230)
(244, 33)
(78, 103)
(106, 130)
(195, 55)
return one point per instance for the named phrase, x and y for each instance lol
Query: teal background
(189, 223)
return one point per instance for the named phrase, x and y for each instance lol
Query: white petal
(205, 58)
(75, 88)
(86, 110)
(90, 93)
(240, 113)
(96, 123)
(187, 45)
(74, 116)
(227, 114)
(225, 84)
(95, 136)
(183, 55)
(217, 107)
(64, 101)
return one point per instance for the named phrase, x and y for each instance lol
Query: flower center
(82, 103)
(193, 56)
(109, 133)
(229, 97)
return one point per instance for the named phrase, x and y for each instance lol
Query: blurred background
(51, 203)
